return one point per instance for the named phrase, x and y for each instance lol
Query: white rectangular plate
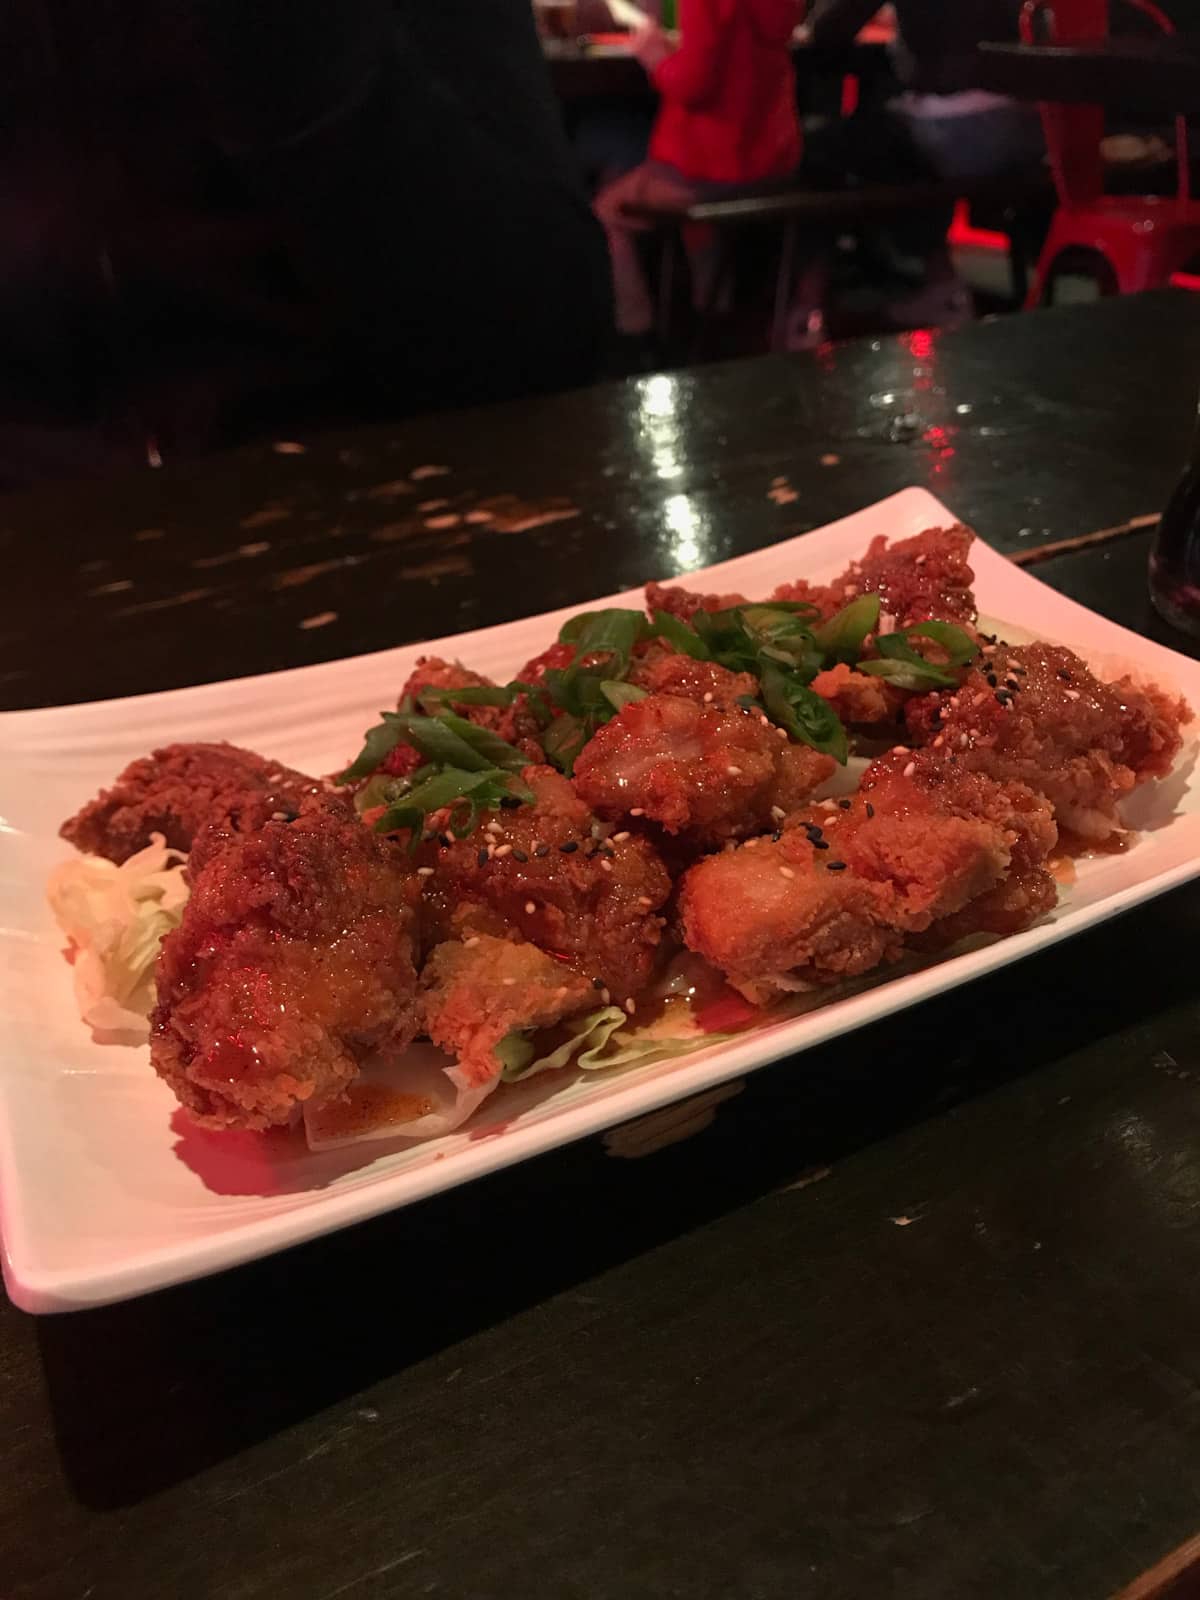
(106, 1191)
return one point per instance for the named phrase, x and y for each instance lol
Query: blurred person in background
(727, 122)
(225, 219)
(940, 126)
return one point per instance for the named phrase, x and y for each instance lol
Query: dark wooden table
(724, 1369)
(1159, 77)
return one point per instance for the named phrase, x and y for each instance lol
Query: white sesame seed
(605, 996)
(850, 590)
(508, 983)
(962, 741)
(467, 943)
(834, 816)
(981, 697)
(781, 733)
(637, 812)
(910, 769)
(559, 993)
(786, 872)
(644, 900)
(708, 697)
(631, 1005)
(606, 864)
(938, 742)
(620, 838)
(749, 844)
(279, 816)
(921, 560)
(424, 872)
(734, 772)
(899, 749)
(1072, 694)
(501, 850)
(778, 813)
(530, 908)
(829, 805)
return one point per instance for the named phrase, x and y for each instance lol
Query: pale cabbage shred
(116, 918)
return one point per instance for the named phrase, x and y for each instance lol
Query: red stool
(1130, 242)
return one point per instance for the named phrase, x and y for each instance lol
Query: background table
(1158, 76)
(915, 1315)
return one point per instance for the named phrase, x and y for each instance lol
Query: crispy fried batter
(857, 697)
(476, 992)
(1036, 714)
(711, 774)
(661, 670)
(180, 790)
(684, 604)
(916, 579)
(513, 723)
(919, 851)
(542, 872)
(293, 960)
(773, 918)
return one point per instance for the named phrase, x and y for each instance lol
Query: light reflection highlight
(658, 429)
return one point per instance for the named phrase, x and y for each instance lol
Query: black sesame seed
(935, 717)
(1003, 697)
(844, 804)
(542, 850)
(482, 858)
(510, 802)
(819, 844)
(597, 983)
(776, 836)
(1065, 676)
(519, 855)
(992, 680)
(835, 866)
(870, 810)
(568, 848)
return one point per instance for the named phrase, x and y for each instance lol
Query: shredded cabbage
(602, 1039)
(115, 918)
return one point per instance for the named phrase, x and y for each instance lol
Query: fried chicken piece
(1024, 818)
(1036, 714)
(857, 697)
(916, 579)
(773, 918)
(183, 788)
(684, 603)
(661, 670)
(433, 672)
(849, 880)
(544, 872)
(476, 992)
(513, 723)
(711, 774)
(294, 959)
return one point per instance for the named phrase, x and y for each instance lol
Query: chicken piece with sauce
(552, 875)
(476, 991)
(182, 789)
(695, 769)
(846, 883)
(295, 959)
(1036, 714)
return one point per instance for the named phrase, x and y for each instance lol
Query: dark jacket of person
(935, 51)
(224, 216)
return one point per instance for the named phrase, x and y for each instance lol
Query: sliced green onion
(842, 636)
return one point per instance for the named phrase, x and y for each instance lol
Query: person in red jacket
(728, 121)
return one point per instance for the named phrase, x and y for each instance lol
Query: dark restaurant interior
(353, 355)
